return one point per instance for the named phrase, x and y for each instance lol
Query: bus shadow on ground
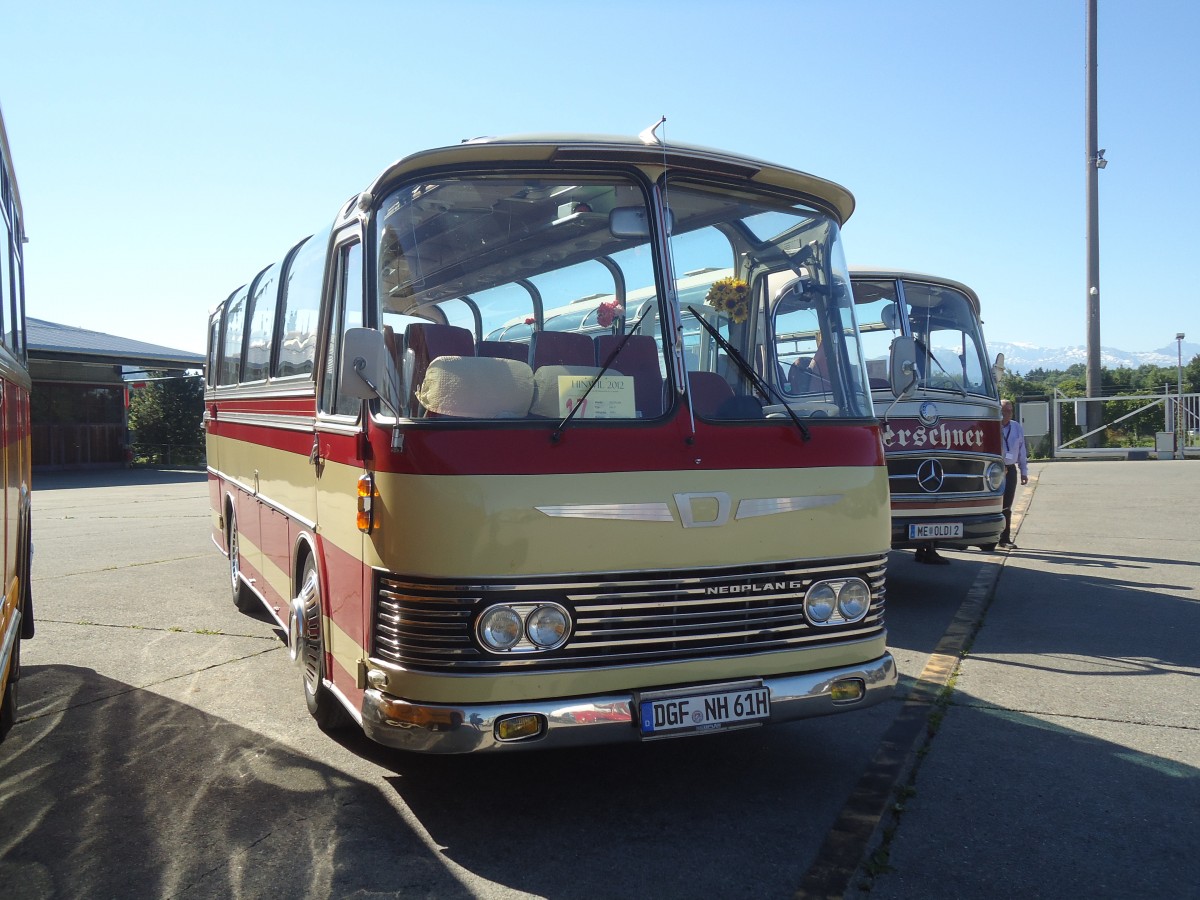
(129, 794)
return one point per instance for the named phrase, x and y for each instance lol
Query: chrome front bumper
(582, 721)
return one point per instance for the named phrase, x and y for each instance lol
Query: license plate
(671, 714)
(928, 531)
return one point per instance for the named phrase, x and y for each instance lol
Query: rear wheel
(243, 597)
(307, 634)
(8, 703)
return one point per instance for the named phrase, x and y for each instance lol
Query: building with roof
(80, 400)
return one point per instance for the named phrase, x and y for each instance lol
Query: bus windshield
(520, 297)
(951, 355)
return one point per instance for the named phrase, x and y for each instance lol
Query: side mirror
(364, 363)
(902, 367)
(998, 370)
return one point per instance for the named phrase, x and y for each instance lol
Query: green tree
(166, 416)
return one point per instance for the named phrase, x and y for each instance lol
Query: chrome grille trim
(620, 618)
(964, 475)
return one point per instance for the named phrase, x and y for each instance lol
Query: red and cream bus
(16, 605)
(514, 471)
(941, 434)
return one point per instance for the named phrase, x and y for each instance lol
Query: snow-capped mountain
(1022, 358)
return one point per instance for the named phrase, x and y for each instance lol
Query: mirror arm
(359, 365)
(904, 392)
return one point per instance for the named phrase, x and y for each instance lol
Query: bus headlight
(523, 627)
(995, 476)
(500, 628)
(841, 601)
(820, 602)
(854, 599)
(546, 626)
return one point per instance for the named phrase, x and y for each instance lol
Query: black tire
(243, 597)
(8, 703)
(324, 707)
(25, 573)
(987, 548)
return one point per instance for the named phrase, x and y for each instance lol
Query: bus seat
(639, 358)
(503, 350)
(426, 341)
(545, 387)
(877, 373)
(709, 391)
(392, 388)
(476, 387)
(561, 348)
(809, 375)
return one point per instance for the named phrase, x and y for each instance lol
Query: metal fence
(168, 454)
(1130, 425)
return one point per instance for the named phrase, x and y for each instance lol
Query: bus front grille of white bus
(917, 476)
(621, 618)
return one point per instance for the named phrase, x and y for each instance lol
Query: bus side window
(347, 312)
(231, 356)
(301, 300)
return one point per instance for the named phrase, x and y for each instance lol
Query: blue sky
(166, 152)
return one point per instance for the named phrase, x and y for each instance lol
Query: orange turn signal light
(366, 503)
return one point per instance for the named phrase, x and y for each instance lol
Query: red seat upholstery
(503, 350)
(709, 391)
(640, 358)
(561, 348)
(425, 342)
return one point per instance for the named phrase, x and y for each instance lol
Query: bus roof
(583, 148)
(870, 272)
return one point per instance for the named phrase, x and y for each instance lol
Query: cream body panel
(491, 526)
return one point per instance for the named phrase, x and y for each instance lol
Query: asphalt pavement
(1062, 758)
(1044, 743)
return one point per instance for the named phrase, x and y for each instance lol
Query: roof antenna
(648, 135)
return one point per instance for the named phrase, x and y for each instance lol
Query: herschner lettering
(938, 436)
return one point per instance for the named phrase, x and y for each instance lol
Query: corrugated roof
(50, 340)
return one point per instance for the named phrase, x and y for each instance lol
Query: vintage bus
(942, 436)
(514, 471)
(16, 605)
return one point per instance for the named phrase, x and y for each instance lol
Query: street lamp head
(1180, 336)
(1101, 162)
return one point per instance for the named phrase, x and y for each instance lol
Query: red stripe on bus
(450, 450)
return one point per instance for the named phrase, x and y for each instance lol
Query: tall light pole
(1095, 162)
(1179, 420)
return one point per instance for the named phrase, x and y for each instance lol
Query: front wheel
(307, 635)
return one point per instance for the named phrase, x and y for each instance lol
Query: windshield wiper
(557, 433)
(929, 353)
(753, 377)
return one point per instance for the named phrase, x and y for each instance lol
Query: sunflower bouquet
(730, 296)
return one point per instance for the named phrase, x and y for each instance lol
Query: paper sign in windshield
(611, 398)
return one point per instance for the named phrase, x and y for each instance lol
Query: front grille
(621, 618)
(960, 475)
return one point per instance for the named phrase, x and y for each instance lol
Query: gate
(1179, 421)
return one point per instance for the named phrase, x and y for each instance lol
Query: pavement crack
(135, 565)
(1041, 714)
(170, 630)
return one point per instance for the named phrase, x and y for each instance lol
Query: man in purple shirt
(1015, 459)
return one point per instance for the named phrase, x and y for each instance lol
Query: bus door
(338, 466)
